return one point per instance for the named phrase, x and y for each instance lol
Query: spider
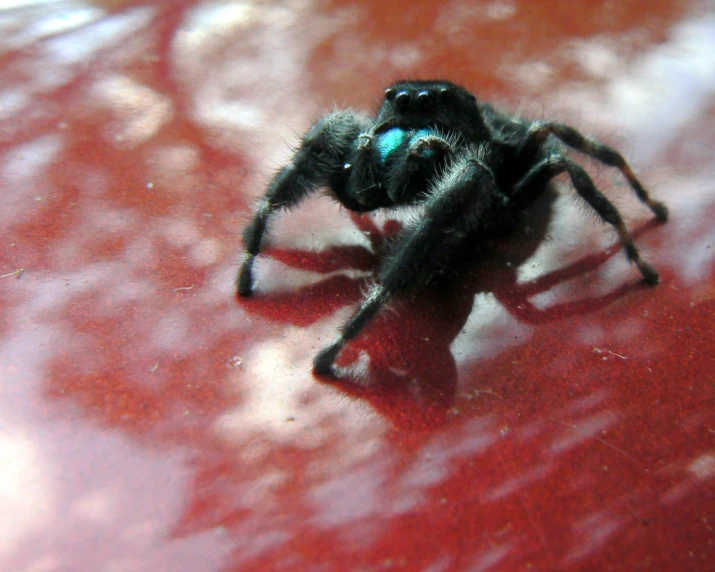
(469, 165)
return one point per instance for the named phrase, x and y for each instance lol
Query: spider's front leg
(461, 201)
(321, 154)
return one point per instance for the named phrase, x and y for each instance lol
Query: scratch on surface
(184, 288)
(602, 351)
(535, 525)
(16, 273)
(621, 451)
(399, 353)
(489, 391)
(473, 394)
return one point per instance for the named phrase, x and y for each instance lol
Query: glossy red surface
(543, 409)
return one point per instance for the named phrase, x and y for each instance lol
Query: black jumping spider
(432, 143)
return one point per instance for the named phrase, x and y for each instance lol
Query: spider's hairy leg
(320, 154)
(371, 305)
(539, 175)
(461, 201)
(571, 137)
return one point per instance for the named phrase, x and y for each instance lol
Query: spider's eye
(424, 99)
(390, 94)
(444, 93)
(402, 100)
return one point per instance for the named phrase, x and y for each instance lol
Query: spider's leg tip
(660, 210)
(322, 369)
(244, 293)
(244, 283)
(244, 286)
(650, 274)
(323, 362)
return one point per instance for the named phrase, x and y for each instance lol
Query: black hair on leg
(557, 164)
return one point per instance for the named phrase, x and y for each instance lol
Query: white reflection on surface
(260, 80)
(369, 489)
(140, 111)
(21, 25)
(516, 484)
(50, 474)
(12, 101)
(587, 428)
(432, 463)
(22, 469)
(79, 47)
(698, 472)
(62, 468)
(658, 95)
(591, 534)
(455, 14)
(491, 557)
(281, 400)
(489, 330)
(353, 496)
(24, 172)
(703, 468)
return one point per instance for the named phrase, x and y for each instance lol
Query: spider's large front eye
(402, 100)
(390, 93)
(424, 99)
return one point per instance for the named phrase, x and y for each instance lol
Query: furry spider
(471, 166)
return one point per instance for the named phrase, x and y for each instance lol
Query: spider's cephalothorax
(470, 165)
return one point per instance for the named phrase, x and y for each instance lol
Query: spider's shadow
(411, 377)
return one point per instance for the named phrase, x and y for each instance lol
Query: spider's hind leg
(535, 180)
(571, 137)
(319, 156)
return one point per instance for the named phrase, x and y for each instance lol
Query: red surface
(543, 409)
